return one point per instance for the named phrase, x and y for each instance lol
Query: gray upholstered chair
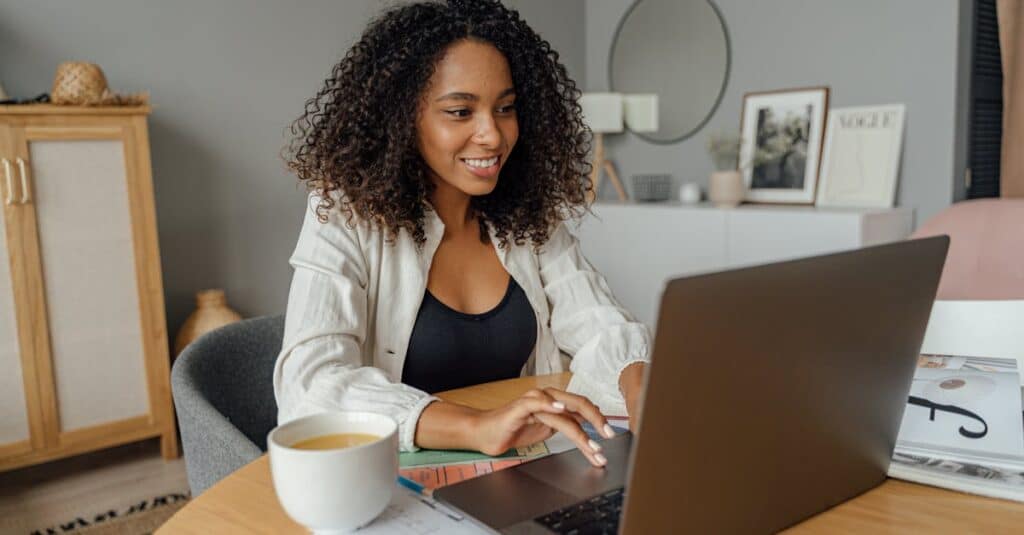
(224, 397)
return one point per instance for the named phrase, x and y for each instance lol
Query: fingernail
(601, 459)
(608, 431)
(594, 445)
(558, 405)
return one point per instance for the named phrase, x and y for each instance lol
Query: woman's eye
(460, 113)
(507, 109)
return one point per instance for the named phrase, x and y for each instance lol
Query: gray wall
(867, 51)
(226, 78)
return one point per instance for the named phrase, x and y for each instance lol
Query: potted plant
(725, 187)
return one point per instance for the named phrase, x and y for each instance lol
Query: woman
(443, 153)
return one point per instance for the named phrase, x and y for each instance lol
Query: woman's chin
(480, 186)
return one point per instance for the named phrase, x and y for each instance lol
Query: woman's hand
(537, 415)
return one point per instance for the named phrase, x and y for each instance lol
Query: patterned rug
(136, 519)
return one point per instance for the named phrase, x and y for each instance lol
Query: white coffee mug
(334, 490)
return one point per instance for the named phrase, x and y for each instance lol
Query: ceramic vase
(725, 189)
(211, 312)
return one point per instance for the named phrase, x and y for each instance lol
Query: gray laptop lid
(777, 391)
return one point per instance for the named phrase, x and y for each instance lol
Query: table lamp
(603, 114)
(606, 113)
(641, 112)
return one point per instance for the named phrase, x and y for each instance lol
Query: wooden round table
(245, 502)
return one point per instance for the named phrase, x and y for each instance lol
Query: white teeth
(482, 163)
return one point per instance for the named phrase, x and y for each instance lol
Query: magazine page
(963, 426)
(962, 476)
(956, 362)
(966, 408)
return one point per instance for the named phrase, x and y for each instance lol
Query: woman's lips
(484, 172)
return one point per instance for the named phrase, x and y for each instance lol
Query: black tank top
(449, 349)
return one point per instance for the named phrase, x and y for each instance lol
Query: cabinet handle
(24, 182)
(7, 173)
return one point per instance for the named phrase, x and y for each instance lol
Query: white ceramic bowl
(337, 490)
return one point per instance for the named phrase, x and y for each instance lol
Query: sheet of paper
(412, 514)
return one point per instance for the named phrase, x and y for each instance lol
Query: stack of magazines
(963, 428)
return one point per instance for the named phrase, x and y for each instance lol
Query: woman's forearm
(631, 380)
(631, 384)
(444, 425)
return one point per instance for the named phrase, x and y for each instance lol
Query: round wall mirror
(678, 50)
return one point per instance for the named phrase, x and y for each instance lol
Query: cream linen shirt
(354, 300)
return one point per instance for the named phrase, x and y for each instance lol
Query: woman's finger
(525, 407)
(584, 407)
(564, 424)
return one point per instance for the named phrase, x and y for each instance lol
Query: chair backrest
(224, 397)
(986, 249)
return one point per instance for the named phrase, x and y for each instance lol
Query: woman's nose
(487, 133)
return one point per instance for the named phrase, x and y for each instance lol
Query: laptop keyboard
(599, 514)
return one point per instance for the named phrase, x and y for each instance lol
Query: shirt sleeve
(321, 366)
(589, 324)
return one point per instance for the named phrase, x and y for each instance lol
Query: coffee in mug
(335, 441)
(334, 471)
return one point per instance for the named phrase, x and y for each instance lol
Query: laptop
(775, 392)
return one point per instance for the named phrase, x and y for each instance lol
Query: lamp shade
(602, 111)
(641, 111)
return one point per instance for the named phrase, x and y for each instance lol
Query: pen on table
(429, 501)
(413, 486)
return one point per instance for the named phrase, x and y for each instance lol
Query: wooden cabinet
(83, 340)
(638, 247)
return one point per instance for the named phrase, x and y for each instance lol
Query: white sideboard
(638, 247)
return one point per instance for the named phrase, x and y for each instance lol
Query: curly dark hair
(357, 136)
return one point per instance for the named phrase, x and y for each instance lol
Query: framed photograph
(781, 140)
(861, 163)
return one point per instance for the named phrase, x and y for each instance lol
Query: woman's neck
(453, 207)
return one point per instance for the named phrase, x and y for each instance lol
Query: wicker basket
(78, 83)
(83, 84)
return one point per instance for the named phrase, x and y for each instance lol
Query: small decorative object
(650, 188)
(726, 189)
(782, 133)
(83, 84)
(38, 99)
(689, 193)
(211, 312)
(861, 163)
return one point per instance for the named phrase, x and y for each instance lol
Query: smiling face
(466, 126)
